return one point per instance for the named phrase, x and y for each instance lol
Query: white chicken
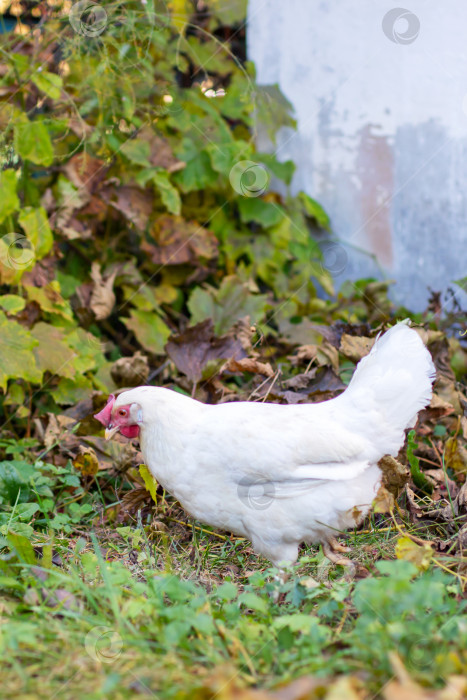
(282, 474)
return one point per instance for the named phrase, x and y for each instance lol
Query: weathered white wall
(382, 128)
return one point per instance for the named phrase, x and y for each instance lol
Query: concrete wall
(380, 95)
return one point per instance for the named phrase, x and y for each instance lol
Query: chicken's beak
(110, 432)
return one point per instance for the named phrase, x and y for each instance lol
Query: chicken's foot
(337, 546)
(334, 554)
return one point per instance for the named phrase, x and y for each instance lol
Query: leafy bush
(133, 200)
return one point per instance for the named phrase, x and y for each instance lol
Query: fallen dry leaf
(305, 353)
(384, 501)
(355, 346)
(85, 171)
(130, 371)
(395, 474)
(60, 598)
(346, 688)
(455, 455)
(248, 364)
(180, 242)
(86, 461)
(414, 508)
(404, 688)
(317, 384)
(196, 346)
(57, 426)
(134, 203)
(327, 355)
(102, 296)
(419, 555)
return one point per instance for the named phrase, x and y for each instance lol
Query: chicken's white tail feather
(392, 384)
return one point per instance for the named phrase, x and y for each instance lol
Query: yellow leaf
(455, 455)
(418, 555)
(149, 481)
(384, 501)
(181, 13)
(86, 462)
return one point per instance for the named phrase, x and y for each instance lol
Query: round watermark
(257, 494)
(418, 652)
(249, 179)
(103, 644)
(16, 251)
(401, 26)
(88, 18)
(335, 257)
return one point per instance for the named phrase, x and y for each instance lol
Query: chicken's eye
(122, 412)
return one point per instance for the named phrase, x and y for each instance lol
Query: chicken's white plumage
(284, 474)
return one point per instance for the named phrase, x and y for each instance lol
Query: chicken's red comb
(104, 415)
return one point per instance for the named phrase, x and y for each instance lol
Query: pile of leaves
(145, 239)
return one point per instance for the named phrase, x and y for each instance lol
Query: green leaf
(137, 150)
(88, 350)
(417, 475)
(284, 171)
(255, 209)
(16, 353)
(49, 299)
(202, 304)
(226, 591)
(10, 582)
(149, 481)
(229, 13)
(150, 330)
(232, 301)
(9, 201)
(197, 174)
(297, 622)
(23, 548)
(35, 223)
(52, 352)
(48, 83)
(169, 194)
(32, 142)
(12, 303)
(25, 511)
(254, 602)
(15, 476)
(21, 62)
(70, 391)
(273, 109)
(224, 157)
(315, 211)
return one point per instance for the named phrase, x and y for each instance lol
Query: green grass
(128, 611)
(104, 593)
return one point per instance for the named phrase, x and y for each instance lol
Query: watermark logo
(16, 251)
(103, 644)
(335, 257)
(418, 652)
(88, 18)
(249, 179)
(401, 26)
(257, 494)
